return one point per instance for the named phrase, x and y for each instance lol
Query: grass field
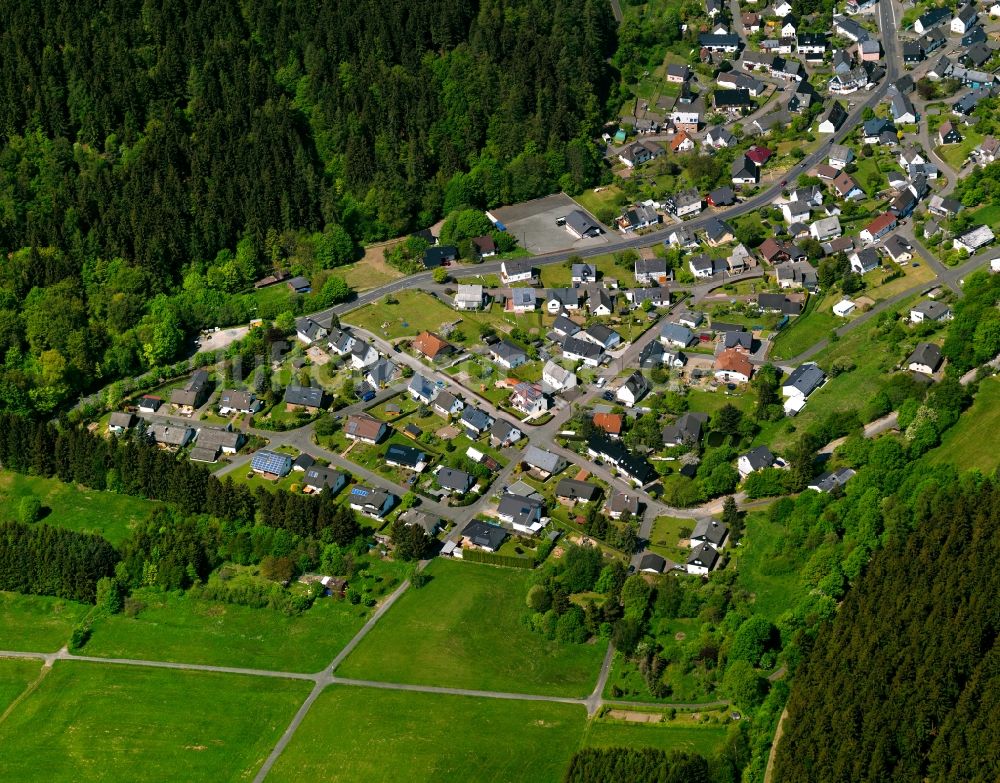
(97, 722)
(420, 311)
(393, 736)
(989, 215)
(561, 275)
(912, 275)
(465, 630)
(807, 329)
(963, 445)
(665, 535)
(75, 508)
(593, 201)
(190, 630)
(698, 738)
(762, 570)
(15, 676)
(955, 154)
(37, 623)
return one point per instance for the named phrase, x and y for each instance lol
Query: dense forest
(905, 683)
(157, 157)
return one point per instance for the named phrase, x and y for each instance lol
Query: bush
(30, 510)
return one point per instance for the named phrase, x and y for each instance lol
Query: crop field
(437, 636)
(96, 722)
(37, 623)
(190, 630)
(75, 508)
(383, 735)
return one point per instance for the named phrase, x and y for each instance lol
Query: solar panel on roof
(359, 491)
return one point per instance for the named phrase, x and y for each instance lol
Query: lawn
(367, 274)
(988, 215)
(963, 445)
(466, 629)
(665, 535)
(190, 630)
(75, 508)
(561, 275)
(37, 623)
(97, 722)
(806, 330)
(680, 734)
(912, 275)
(594, 201)
(15, 676)
(770, 576)
(418, 311)
(955, 154)
(360, 734)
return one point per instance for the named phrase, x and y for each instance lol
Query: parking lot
(533, 223)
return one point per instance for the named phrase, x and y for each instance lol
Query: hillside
(905, 684)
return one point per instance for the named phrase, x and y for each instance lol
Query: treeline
(905, 684)
(637, 765)
(133, 467)
(46, 560)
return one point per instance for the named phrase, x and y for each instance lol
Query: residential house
(194, 392)
(913, 52)
(758, 458)
(874, 128)
(657, 297)
(382, 373)
(628, 465)
(559, 300)
(686, 202)
(529, 399)
(736, 101)
(149, 404)
(903, 204)
(544, 463)
(120, 422)
(831, 119)
(727, 43)
(469, 297)
(965, 18)
(898, 249)
(929, 310)
(703, 560)
(582, 274)
(750, 22)
(948, 133)
(795, 211)
(840, 155)
(925, 359)
(744, 171)
(508, 355)
(878, 228)
(740, 259)
(556, 378)
(847, 187)
(931, 19)
(718, 232)
(601, 335)
(442, 255)
(299, 285)
(831, 480)
(372, 502)
(576, 350)
(865, 260)
(422, 389)
(483, 535)
(524, 514)
(271, 463)
(844, 308)
(621, 503)
(733, 366)
(681, 142)
(609, 423)
(652, 563)
(678, 73)
(709, 531)
(651, 271)
(768, 303)
(454, 480)
(636, 154)
(721, 197)
(812, 45)
(803, 381)
(428, 522)
(601, 301)
(973, 240)
(902, 110)
(303, 398)
(235, 401)
(447, 404)
(988, 150)
(366, 428)
(634, 389)
(363, 355)
(849, 29)
(222, 439)
(686, 430)
(701, 266)
(573, 491)
(870, 50)
(504, 434)
(518, 270)
(484, 247)
(564, 327)
(826, 228)
(738, 80)
(677, 335)
(340, 341)
(681, 237)
(719, 138)
(638, 217)
(475, 421)
(309, 331)
(319, 480)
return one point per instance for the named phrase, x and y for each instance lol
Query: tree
(635, 596)
(539, 599)
(277, 569)
(334, 291)
(744, 685)
(581, 567)
(752, 639)
(727, 419)
(440, 275)
(109, 595)
(730, 513)
(29, 510)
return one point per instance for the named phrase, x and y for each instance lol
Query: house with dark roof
(271, 463)
(372, 502)
(575, 491)
(926, 359)
(236, 401)
(475, 421)
(576, 350)
(223, 439)
(828, 482)
(758, 458)
(484, 535)
(524, 514)
(405, 457)
(630, 466)
(307, 398)
(508, 355)
(652, 563)
(504, 434)
(621, 503)
(634, 389)
(194, 392)
(442, 255)
(709, 531)
(744, 171)
(454, 480)
(703, 560)
(686, 430)
(319, 480)
(422, 389)
(447, 404)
